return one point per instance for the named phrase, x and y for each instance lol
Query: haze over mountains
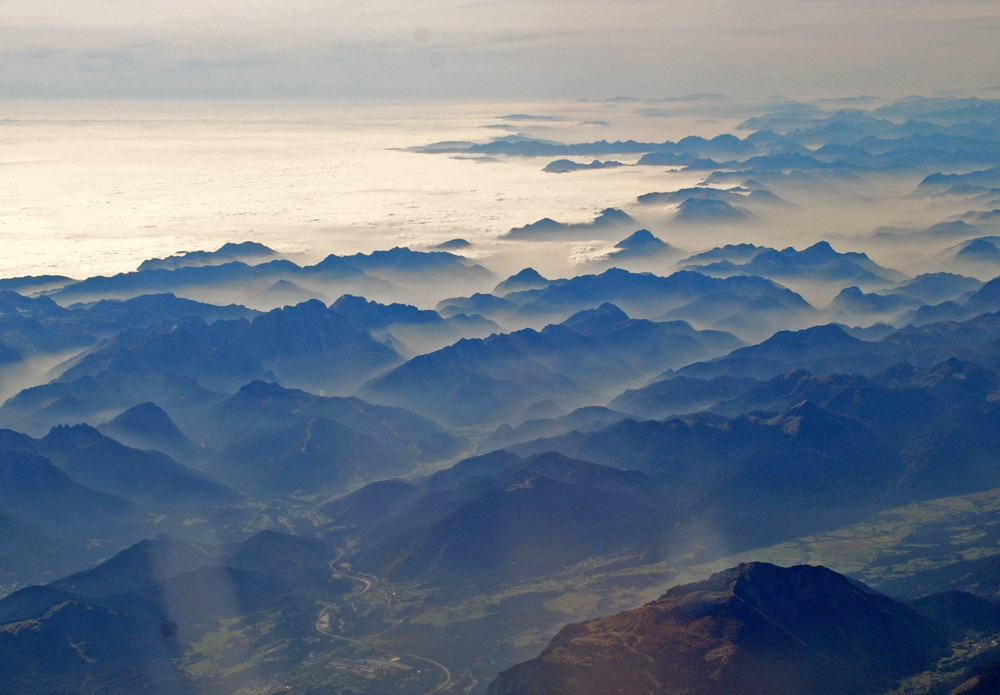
(427, 470)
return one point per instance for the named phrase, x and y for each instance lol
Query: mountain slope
(752, 630)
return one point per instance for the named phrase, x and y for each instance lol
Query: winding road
(323, 622)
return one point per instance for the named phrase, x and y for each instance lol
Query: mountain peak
(755, 628)
(71, 436)
(145, 416)
(526, 279)
(260, 390)
(641, 243)
(612, 216)
(590, 321)
(638, 238)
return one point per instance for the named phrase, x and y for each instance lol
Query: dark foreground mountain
(750, 630)
(125, 625)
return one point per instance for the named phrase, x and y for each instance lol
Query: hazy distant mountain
(669, 159)
(213, 281)
(851, 301)
(409, 329)
(817, 262)
(734, 253)
(648, 345)
(679, 395)
(640, 245)
(380, 273)
(784, 161)
(932, 288)
(975, 182)
(583, 419)
(753, 629)
(320, 456)
(786, 390)
(30, 284)
(40, 327)
(976, 217)
(750, 317)
(695, 210)
(756, 478)
(149, 309)
(526, 279)
(820, 349)
(953, 229)
(405, 266)
(96, 398)
(737, 196)
(499, 378)
(563, 166)
(275, 441)
(214, 354)
(946, 109)
(646, 295)
(150, 478)
(284, 293)
(311, 345)
(147, 426)
(479, 303)
(609, 219)
(983, 300)
(307, 343)
(498, 517)
(453, 245)
(247, 252)
(37, 326)
(368, 315)
(940, 419)
(981, 250)
(521, 146)
(751, 306)
(974, 339)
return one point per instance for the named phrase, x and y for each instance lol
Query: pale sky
(495, 48)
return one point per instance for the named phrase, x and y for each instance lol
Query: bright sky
(495, 48)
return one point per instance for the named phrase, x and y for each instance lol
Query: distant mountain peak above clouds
(641, 244)
(526, 279)
(247, 251)
(547, 228)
